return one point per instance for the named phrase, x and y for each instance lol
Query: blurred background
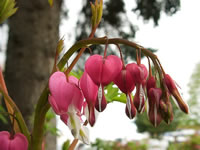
(169, 28)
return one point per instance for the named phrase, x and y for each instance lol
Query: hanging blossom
(139, 73)
(90, 91)
(102, 71)
(13, 142)
(126, 84)
(66, 100)
(171, 86)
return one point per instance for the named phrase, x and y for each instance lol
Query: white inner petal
(100, 96)
(141, 95)
(128, 103)
(155, 115)
(84, 135)
(175, 102)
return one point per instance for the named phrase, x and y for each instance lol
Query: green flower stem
(39, 120)
(18, 115)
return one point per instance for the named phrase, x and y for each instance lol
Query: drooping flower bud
(166, 111)
(130, 108)
(16, 142)
(139, 98)
(139, 73)
(126, 84)
(102, 71)
(90, 91)
(174, 91)
(153, 101)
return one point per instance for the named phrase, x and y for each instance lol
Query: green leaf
(50, 2)
(7, 8)
(2, 117)
(76, 74)
(20, 125)
(114, 94)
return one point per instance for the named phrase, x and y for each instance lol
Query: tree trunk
(33, 36)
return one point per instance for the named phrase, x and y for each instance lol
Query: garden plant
(73, 98)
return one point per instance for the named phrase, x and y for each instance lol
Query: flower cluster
(67, 94)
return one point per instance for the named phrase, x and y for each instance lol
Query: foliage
(192, 144)
(7, 8)
(117, 145)
(66, 145)
(2, 117)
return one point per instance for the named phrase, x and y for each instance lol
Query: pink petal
(53, 104)
(19, 142)
(151, 83)
(61, 91)
(64, 118)
(88, 88)
(77, 99)
(4, 140)
(93, 67)
(73, 80)
(154, 96)
(111, 68)
(125, 81)
(139, 72)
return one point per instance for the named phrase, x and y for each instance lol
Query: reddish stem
(120, 52)
(79, 54)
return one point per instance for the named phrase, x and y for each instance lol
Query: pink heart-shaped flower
(17, 142)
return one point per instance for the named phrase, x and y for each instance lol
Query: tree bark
(33, 36)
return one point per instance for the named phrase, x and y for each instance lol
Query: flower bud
(153, 101)
(174, 91)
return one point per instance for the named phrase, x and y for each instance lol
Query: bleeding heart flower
(139, 73)
(174, 91)
(63, 93)
(16, 142)
(90, 91)
(126, 84)
(102, 71)
(66, 100)
(153, 102)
